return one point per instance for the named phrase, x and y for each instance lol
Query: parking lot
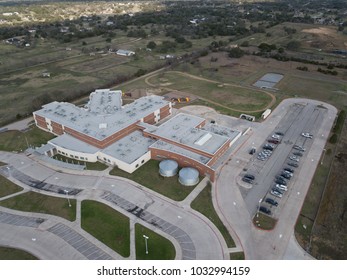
(267, 164)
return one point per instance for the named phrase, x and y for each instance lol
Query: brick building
(128, 136)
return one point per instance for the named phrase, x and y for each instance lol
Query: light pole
(260, 200)
(146, 238)
(67, 196)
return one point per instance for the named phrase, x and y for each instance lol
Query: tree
(293, 45)
(245, 44)
(151, 45)
(236, 53)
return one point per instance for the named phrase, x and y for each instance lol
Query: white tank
(188, 176)
(168, 168)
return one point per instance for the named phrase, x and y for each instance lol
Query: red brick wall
(149, 119)
(57, 128)
(183, 161)
(41, 121)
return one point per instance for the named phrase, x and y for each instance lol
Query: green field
(203, 204)
(107, 225)
(264, 222)
(14, 140)
(7, 253)
(7, 187)
(39, 203)
(148, 176)
(159, 248)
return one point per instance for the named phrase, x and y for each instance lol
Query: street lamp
(146, 238)
(260, 200)
(67, 196)
(324, 150)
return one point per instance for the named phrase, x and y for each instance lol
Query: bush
(293, 45)
(236, 53)
(333, 139)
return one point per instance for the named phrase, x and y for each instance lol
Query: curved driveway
(194, 235)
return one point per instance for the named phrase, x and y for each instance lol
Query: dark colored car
(273, 141)
(281, 182)
(266, 147)
(271, 201)
(247, 180)
(286, 175)
(249, 176)
(264, 210)
(252, 151)
(294, 164)
(279, 133)
(298, 154)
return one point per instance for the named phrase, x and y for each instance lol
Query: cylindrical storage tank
(188, 176)
(168, 168)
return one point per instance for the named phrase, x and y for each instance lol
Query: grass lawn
(7, 253)
(7, 187)
(159, 248)
(14, 140)
(237, 256)
(148, 176)
(90, 165)
(264, 222)
(107, 225)
(203, 204)
(231, 96)
(39, 203)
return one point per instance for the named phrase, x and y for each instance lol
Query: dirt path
(272, 102)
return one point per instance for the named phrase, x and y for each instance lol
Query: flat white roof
(129, 148)
(103, 115)
(182, 129)
(162, 145)
(71, 143)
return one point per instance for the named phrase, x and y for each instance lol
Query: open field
(237, 98)
(159, 248)
(321, 228)
(7, 253)
(107, 225)
(39, 203)
(148, 176)
(7, 187)
(203, 204)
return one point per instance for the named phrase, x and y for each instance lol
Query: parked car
(294, 158)
(249, 176)
(274, 141)
(249, 181)
(276, 193)
(271, 201)
(288, 169)
(298, 154)
(287, 172)
(275, 136)
(252, 151)
(307, 135)
(281, 187)
(300, 148)
(281, 182)
(279, 133)
(294, 164)
(286, 175)
(265, 210)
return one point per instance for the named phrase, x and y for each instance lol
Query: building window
(82, 158)
(143, 161)
(86, 159)
(71, 156)
(136, 165)
(76, 157)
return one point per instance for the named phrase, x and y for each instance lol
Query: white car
(275, 136)
(307, 135)
(276, 193)
(282, 187)
(293, 158)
